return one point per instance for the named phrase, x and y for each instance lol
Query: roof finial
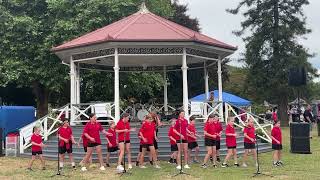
(143, 8)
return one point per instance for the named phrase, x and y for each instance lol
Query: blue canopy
(226, 97)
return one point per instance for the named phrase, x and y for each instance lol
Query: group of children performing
(182, 135)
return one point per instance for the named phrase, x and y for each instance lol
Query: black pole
(124, 157)
(257, 173)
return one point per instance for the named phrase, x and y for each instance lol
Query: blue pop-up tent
(226, 97)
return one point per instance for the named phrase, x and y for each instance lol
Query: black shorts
(127, 141)
(174, 147)
(155, 143)
(277, 146)
(209, 142)
(85, 149)
(249, 145)
(34, 153)
(217, 145)
(232, 147)
(182, 141)
(143, 146)
(113, 149)
(64, 149)
(93, 144)
(192, 145)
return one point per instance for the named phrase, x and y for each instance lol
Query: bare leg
(254, 152)
(88, 156)
(33, 158)
(108, 157)
(71, 159)
(235, 156)
(121, 147)
(228, 156)
(61, 157)
(128, 149)
(214, 155)
(208, 155)
(141, 162)
(153, 154)
(99, 152)
(196, 157)
(185, 152)
(245, 156)
(179, 153)
(42, 161)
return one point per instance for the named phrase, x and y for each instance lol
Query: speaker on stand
(300, 138)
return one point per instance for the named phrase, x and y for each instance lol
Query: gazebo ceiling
(143, 38)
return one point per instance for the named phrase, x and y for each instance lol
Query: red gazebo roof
(142, 26)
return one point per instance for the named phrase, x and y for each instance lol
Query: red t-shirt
(84, 140)
(148, 130)
(274, 116)
(141, 141)
(250, 131)
(210, 129)
(276, 133)
(183, 124)
(93, 130)
(36, 139)
(66, 133)
(192, 129)
(121, 125)
(218, 128)
(231, 141)
(112, 139)
(172, 134)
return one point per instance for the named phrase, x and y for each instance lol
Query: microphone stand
(124, 158)
(181, 169)
(258, 172)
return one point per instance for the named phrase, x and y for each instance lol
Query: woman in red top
(231, 142)
(210, 140)
(36, 148)
(173, 142)
(276, 136)
(92, 133)
(249, 142)
(123, 129)
(148, 136)
(192, 140)
(66, 140)
(180, 128)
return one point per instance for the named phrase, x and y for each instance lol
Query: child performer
(210, 141)
(231, 142)
(219, 129)
(112, 141)
(123, 129)
(140, 149)
(157, 122)
(66, 140)
(36, 148)
(249, 142)
(180, 129)
(91, 132)
(173, 143)
(192, 139)
(276, 136)
(85, 147)
(148, 135)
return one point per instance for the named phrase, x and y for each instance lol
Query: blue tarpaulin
(226, 97)
(12, 118)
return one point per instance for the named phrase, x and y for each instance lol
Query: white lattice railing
(103, 110)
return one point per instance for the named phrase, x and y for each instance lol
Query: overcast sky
(217, 23)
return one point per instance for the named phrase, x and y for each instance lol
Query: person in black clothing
(308, 117)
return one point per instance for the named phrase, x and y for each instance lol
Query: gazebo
(142, 42)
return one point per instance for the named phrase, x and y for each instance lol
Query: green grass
(297, 166)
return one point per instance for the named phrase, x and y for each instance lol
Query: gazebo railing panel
(103, 110)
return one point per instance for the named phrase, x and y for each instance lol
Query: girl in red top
(36, 148)
(123, 129)
(210, 140)
(231, 142)
(92, 133)
(148, 136)
(276, 136)
(173, 142)
(219, 129)
(66, 140)
(112, 141)
(180, 129)
(192, 140)
(249, 142)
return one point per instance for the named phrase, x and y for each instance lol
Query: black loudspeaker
(1, 141)
(297, 76)
(300, 138)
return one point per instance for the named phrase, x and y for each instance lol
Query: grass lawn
(297, 166)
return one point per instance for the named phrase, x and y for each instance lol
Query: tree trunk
(282, 111)
(42, 97)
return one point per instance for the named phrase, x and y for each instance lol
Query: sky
(217, 23)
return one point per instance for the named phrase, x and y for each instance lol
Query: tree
(273, 47)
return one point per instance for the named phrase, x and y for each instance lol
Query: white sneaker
(257, 164)
(143, 167)
(178, 167)
(186, 166)
(102, 168)
(157, 167)
(83, 168)
(244, 165)
(120, 168)
(129, 166)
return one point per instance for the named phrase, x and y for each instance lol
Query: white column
(165, 90)
(220, 89)
(116, 86)
(78, 84)
(185, 83)
(72, 91)
(206, 87)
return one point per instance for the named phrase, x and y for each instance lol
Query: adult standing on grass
(36, 148)
(249, 142)
(92, 132)
(308, 117)
(123, 129)
(66, 140)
